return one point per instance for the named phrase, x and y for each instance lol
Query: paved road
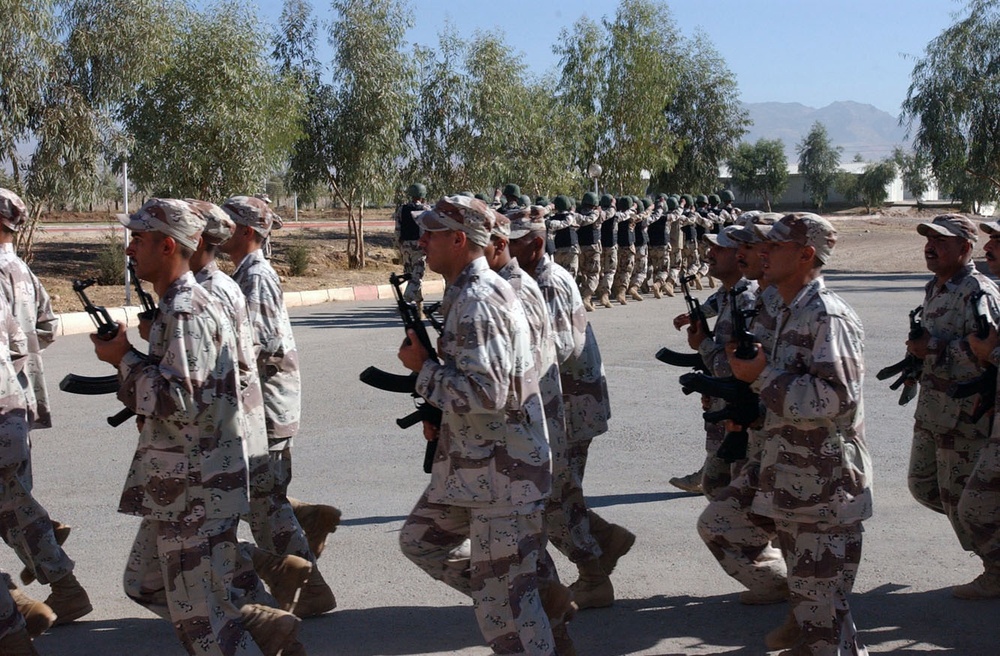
(672, 596)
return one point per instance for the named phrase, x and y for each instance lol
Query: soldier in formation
(408, 240)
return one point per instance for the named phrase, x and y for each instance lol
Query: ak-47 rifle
(383, 380)
(908, 369)
(696, 314)
(985, 384)
(146, 301)
(106, 329)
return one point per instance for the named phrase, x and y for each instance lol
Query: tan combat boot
(316, 597)
(615, 541)
(785, 636)
(557, 601)
(37, 616)
(620, 297)
(61, 532)
(656, 290)
(17, 643)
(634, 293)
(711, 282)
(593, 589)
(668, 288)
(587, 305)
(317, 521)
(764, 596)
(273, 630)
(984, 586)
(697, 283)
(68, 600)
(605, 301)
(690, 483)
(284, 575)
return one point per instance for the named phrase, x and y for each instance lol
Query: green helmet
(511, 190)
(524, 200)
(623, 203)
(481, 197)
(641, 202)
(542, 200)
(713, 199)
(607, 200)
(590, 199)
(416, 191)
(726, 196)
(572, 202)
(562, 203)
(671, 203)
(688, 200)
(702, 199)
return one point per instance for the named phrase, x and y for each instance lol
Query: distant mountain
(856, 127)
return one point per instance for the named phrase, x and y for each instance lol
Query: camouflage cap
(219, 227)
(950, 225)
(527, 220)
(725, 238)
(12, 210)
(990, 227)
(170, 216)
(805, 229)
(467, 214)
(254, 212)
(501, 226)
(754, 225)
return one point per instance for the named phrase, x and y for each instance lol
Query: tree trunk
(360, 244)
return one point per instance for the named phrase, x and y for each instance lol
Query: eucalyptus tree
(819, 162)
(760, 170)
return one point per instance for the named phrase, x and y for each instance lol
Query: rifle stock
(678, 359)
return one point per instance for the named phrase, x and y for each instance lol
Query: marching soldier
(562, 227)
(408, 237)
(590, 218)
(609, 249)
(626, 248)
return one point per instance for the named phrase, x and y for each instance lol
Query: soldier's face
(779, 261)
(992, 249)
(437, 246)
(144, 249)
(748, 260)
(946, 255)
(722, 262)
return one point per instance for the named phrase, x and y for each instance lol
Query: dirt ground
(881, 243)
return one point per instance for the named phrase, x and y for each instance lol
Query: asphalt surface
(672, 597)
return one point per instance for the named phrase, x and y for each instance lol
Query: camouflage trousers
(702, 258)
(569, 259)
(659, 259)
(590, 270)
(11, 620)
(566, 516)
(690, 261)
(822, 565)
(502, 576)
(739, 539)
(623, 274)
(26, 527)
(412, 257)
(716, 473)
(940, 467)
(609, 265)
(641, 266)
(979, 506)
(271, 519)
(183, 571)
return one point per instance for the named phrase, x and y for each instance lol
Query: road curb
(74, 323)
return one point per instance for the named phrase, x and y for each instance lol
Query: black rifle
(383, 380)
(908, 369)
(696, 315)
(985, 384)
(106, 329)
(146, 301)
(695, 312)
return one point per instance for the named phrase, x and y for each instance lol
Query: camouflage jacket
(949, 317)
(274, 344)
(544, 347)
(713, 351)
(189, 459)
(31, 306)
(493, 449)
(814, 465)
(13, 405)
(229, 295)
(585, 388)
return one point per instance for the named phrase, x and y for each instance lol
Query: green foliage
(111, 259)
(818, 163)
(872, 184)
(299, 256)
(760, 170)
(913, 168)
(216, 120)
(846, 184)
(953, 99)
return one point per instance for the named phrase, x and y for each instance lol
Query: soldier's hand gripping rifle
(985, 384)
(696, 314)
(383, 380)
(106, 329)
(907, 369)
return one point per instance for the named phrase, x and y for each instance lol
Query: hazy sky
(810, 51)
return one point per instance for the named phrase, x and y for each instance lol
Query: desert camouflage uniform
(562, 229)
(278, 368)
(626, 252)
(641, 264)
(492, 474)
(979, 507)
(411, 256)
(659, 245)
(13, 434)
(585, 395)
(690, 260)
(676, 221)
(24, 524)
(188, 477)
(739, 538)
(946, 443)
(815, 471)
(590, 254)
(609, 251)
(717, 473)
